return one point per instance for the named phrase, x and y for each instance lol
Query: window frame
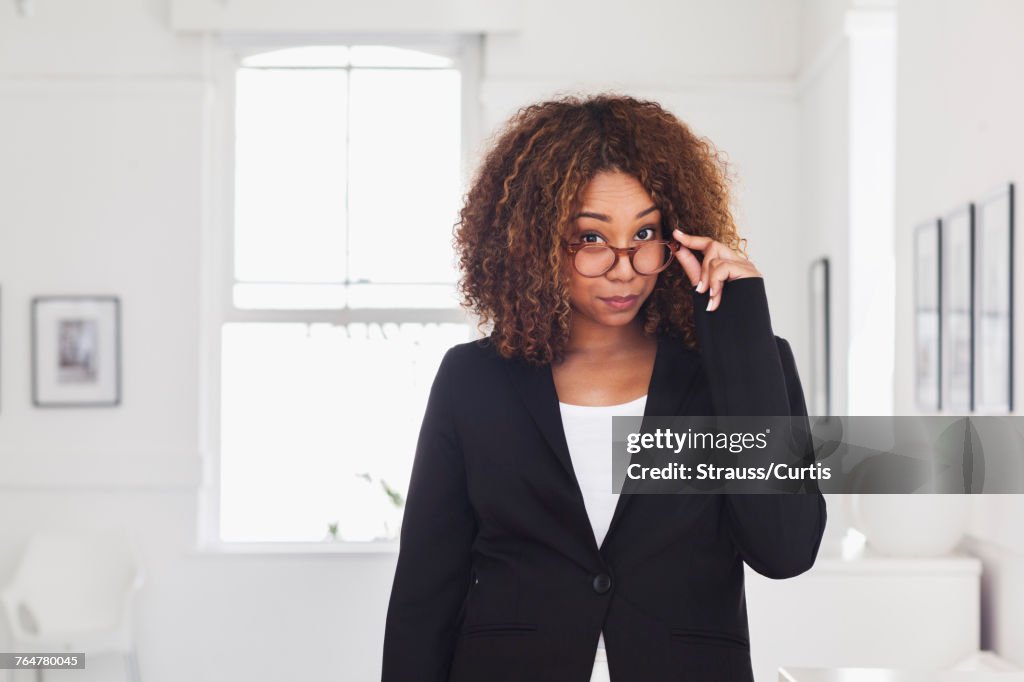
(222, 57)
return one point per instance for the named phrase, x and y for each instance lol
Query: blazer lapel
(536, 387)
(674, 370)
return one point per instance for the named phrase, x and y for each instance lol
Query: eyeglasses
(595, 259)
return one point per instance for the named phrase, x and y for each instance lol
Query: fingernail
(709, 306)
(679, 232)
(699, 285)
(711, 292)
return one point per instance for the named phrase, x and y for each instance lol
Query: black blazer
(499, 575)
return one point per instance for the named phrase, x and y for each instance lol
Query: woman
(517, 562)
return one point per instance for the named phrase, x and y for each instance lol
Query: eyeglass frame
(574, 248)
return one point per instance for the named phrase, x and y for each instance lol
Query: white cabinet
(865, 610)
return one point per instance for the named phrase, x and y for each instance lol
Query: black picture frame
(928, 315)
(819, 285)
(993, 320)
(76, 351)
(957, 286)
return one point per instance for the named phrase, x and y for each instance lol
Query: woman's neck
(589, 338)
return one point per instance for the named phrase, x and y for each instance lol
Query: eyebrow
(601, 216)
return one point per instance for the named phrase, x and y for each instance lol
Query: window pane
(402, 296)
(290, 175)
(384, 55)
(307, 410)
(405, 184)
(290, 296)
(313, 55)
(332, 296)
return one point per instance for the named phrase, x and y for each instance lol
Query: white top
(588, 433)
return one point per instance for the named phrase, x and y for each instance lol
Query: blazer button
(602, 583)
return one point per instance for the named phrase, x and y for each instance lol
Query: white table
(891, 675)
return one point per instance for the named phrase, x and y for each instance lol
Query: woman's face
(616, 210)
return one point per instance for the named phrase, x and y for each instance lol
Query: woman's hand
(720, 265)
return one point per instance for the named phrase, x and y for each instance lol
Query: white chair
(74, 592)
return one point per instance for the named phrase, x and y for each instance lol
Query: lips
(620, 303)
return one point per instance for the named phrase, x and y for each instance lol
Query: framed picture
(957, 298)
(993, 303)
(928, 316)
(821, 339)
(76, 351)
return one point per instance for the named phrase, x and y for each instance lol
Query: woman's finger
(723, 271)
(705, 277)
(691, 265)
(692, 241)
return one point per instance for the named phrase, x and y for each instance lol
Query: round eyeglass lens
(594, 260)
(650, 258)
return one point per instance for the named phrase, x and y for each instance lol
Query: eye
(647, 233)
(584, 237)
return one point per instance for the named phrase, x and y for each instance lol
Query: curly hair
(515, 272)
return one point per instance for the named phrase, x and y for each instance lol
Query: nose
(622, 270)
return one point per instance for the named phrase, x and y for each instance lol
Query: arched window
(343, 171)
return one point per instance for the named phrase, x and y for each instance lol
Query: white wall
(105, 38)
(650, 43)
(824, 105)
(959, 137)
(847, 117)
(823, 111)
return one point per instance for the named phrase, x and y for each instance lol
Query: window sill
(292, 549)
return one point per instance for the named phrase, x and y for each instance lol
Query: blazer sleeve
(434, 560)
(752, 372)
